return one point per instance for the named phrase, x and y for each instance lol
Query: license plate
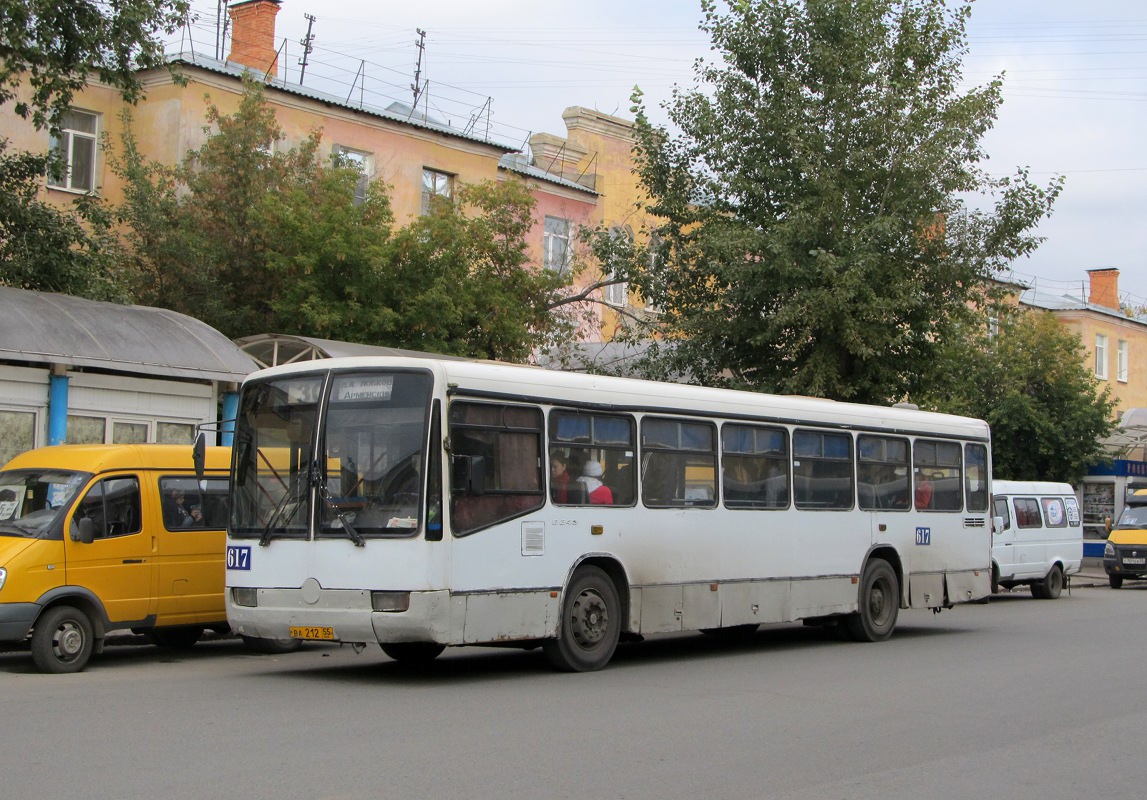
(303, 632)
(1135, 561)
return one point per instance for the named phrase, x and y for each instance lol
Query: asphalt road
(1018, 698)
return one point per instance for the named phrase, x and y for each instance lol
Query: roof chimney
(1104, 288)
(253, 35)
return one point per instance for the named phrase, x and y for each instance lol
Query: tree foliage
(55, 45)
(48, 52)
(71, 251)
(256, 239)
(1028, 380)
(811, 188)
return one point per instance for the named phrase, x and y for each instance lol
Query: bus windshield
(32, 499)
(1133, 517)
(356, 472)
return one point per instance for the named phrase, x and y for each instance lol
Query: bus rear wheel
(1051, 586)
(590, 624)
(413, 652)
(879, 604)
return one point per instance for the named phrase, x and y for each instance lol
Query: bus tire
(413, 652)
(1051, 586)
(62, 640)
(1114, 581)
(590, 624)
(879, 604)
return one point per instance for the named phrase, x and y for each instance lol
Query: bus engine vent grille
(974, 522)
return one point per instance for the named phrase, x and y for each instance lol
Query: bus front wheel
(62, 640)
(413, 652)
(590, 624)
(879, 604)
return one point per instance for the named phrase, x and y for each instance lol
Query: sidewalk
(1091, 573)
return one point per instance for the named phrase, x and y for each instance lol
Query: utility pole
(218, 29)
(416, 87)
(308, 45)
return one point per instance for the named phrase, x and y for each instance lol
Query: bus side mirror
(199, 456)
(1107, 525)
(468, 475)
(85, 530)
(997, 524)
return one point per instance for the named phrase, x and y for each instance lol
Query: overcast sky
(1075, 89)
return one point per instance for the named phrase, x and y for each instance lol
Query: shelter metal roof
(41, 327)
(273, 349)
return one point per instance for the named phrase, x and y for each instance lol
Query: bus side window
(508, 441)
(754, 466)
(606, 442)
(680, 463)
(822, 470)
(938, 468)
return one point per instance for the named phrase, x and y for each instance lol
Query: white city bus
(412, 502)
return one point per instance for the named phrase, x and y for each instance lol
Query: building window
(617, 294)
(1121, 361)
(129, 432)
(76, 145)
(17, 433)
(85, 430)
(174, 433)
(1101, 356)
(358, 160)
(435, 184)
(556, 244)
(654, 263)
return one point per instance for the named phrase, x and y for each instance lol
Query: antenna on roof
(308, 45)
(416, 87)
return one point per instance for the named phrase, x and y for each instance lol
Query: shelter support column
(58, 405)
(230, 411)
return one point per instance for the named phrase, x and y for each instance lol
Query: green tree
(52, 47)
(255, 239)
(1028, 380)
(48, 52)
(50, 249)
(815, 238)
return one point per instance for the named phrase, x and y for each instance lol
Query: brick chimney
(1103, 287)
(253, 35)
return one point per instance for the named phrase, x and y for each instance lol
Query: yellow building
(1115, 350)
(1115, 343)
(415, 155)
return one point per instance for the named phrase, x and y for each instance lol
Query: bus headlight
(390, 601)
(3, 576)
(1109, 550)
(245, 596)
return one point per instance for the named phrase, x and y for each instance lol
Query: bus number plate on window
(238, 557)
(304, 632)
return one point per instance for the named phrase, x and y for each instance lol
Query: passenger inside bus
(923, 492)
(559, 479)
(597, 492)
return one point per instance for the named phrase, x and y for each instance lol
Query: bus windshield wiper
(291, 496)
(351, 531)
